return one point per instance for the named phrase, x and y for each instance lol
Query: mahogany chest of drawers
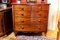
(30, 18)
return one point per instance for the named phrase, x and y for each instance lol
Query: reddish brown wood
(30, 18)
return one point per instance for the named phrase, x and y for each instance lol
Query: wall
(52, 23)
(59, 10)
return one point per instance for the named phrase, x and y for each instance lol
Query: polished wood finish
(30, 18)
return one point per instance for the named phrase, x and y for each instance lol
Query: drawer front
(22, 14)
(30, 19)
(45, 7)
(22, 22)
(43, 21)
(39, 19)
(27, 28)
(33, 21)
(43, 14)
(22, 7)
(36, 8)
(44, 27)
(22, 19)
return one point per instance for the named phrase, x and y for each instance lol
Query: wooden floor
(13, 37)
(52, 33)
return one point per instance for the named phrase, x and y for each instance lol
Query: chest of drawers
(30, 18)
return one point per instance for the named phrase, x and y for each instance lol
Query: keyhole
(22, 21)
(22, 28)
(39, 14)
(22, 8)
(22, 14)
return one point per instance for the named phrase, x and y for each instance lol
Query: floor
(52, 34)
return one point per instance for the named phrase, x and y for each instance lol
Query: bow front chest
(30, 18)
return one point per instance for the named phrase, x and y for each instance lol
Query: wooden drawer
(22, 14)
(23, 22)
(43, 27)
(32, 21)
(22, 7)
(43, 14)
(36, 8)
(45, 7)
(39, 19)
(27, 28)
(35, 19)
(22, 19)
(43, 21)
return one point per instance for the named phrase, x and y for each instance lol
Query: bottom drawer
(43, 27)
(28, 28)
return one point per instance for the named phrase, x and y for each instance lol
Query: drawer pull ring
(22, 28)
(22, 21)
(22, 14)
(22, 8)
(39, 14)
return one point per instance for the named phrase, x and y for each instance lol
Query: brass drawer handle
(22, 21)
(22, 9)
(22, 28)
(22, 14)
(45, 17)
(38, 11)
(39, 14)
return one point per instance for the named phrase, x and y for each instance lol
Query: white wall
(52, 23)
(59, 11)
(59, 5)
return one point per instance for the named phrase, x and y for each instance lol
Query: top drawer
(45, 7)
(22, 7)
(36, 8)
